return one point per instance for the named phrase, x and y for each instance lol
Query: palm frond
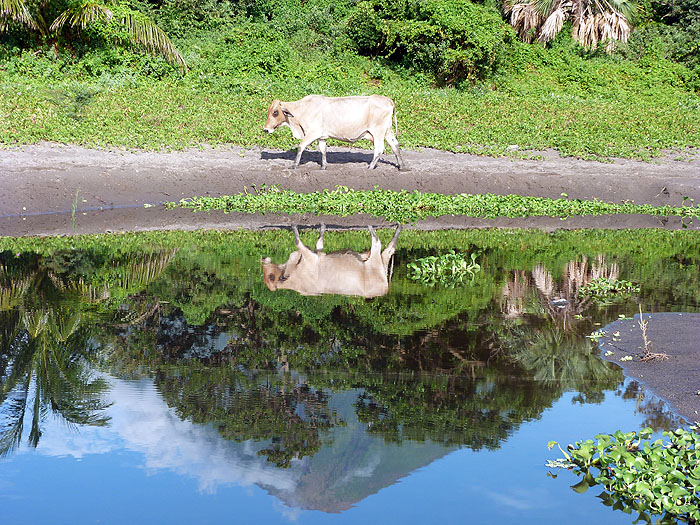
(81, 16)
(545, 7)
(525, 20)
(146, 33)
(593, 21)
(17, 11)
(628, 9)
(552, 25)
(13, 421)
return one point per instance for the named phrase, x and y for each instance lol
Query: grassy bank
(533, 110)
(578, 102)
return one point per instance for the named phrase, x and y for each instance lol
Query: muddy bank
(675, 377)
(51, 189)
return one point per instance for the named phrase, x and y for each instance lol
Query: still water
(159, 378)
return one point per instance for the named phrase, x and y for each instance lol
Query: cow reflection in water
(345, 272)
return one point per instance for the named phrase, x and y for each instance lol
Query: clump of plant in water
(603, 288)
(449, 270)
(405, 206)
(660, 477)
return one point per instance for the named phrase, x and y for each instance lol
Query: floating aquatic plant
(449, 270)
(659, 477)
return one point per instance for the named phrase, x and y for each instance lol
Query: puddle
(161, 368)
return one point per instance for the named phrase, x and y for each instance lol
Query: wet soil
(671, 368)
(51, 189)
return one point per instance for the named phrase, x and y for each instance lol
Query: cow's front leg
(322, 148)
(302, 146)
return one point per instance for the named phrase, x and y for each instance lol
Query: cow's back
(350, 273)
(348, 118)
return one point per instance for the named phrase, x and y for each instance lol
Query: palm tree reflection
(538, 292)
(48, 374)
(45, 342)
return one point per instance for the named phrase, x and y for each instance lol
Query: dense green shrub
(669, 28)
(452, 40)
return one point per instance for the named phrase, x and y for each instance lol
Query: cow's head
(272, 273)
(276, 116)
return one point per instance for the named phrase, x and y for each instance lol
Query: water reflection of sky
(147, 465)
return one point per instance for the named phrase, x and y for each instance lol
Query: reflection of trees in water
(47, 372)
(438, 385)
(278, 407)
(560, 300)
(475, 411)
(656, 413)
(46, 342)
(451, 388)
(561, 358)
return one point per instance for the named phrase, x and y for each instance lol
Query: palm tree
(79, 15)
(593, 21)
(48, 374)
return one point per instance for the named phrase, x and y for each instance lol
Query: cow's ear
(287, 112)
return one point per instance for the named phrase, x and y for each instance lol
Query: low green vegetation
(448, 270)
(659, 478)
(404, 206)
(461, 78)
(604, 287)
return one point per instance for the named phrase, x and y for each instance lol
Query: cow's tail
(396, 126)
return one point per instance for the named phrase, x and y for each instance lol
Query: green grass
(404, 206)
(585, 107)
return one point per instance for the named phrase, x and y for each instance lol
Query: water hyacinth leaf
(639, 475)
(583, 485)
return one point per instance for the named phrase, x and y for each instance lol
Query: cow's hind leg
(319, 242)
(390, 248)
(303, 249)
(378, 148)
(322, 148)
(394, 144)
(376, 249)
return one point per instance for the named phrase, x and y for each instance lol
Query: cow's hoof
(405, 168)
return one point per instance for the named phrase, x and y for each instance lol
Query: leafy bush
(449, 270)
(603, 289)
(661, 478)
(452, 40)
(670, 29)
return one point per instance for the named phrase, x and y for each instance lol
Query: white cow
(346, 272)
(349, 119)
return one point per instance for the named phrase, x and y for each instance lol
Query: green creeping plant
(449, 270)
(659, 478)
(603, 287)
(410, 207)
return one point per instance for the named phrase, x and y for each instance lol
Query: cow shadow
(333, 157)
